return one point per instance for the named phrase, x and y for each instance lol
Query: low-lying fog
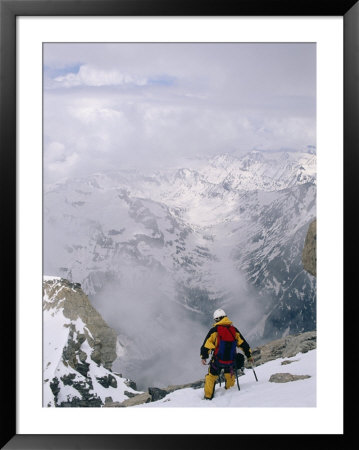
(159, 337)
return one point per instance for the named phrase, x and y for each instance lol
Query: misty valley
(158, 252)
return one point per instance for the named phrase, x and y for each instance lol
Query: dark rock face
(157, 393)
(309, 255)
(76, 304)
(54, 385)
(107, 381)
(86, 399)
(90, 402)
(131, 384)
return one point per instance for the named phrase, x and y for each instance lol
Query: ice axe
(252, 362)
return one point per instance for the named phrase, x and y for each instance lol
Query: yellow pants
(210, 381)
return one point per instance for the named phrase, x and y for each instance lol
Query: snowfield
(261, 393)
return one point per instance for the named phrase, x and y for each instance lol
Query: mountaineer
(223, 339)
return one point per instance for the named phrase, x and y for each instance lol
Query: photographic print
(147, 193)
(179, 224)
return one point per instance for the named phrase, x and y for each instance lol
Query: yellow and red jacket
(210, 341)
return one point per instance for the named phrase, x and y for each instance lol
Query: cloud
(58, 161)
(92, 76)
(121, 105)
(92, 115)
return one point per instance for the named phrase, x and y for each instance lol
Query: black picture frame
(9, 10)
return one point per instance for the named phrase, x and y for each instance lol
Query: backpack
(225, 351)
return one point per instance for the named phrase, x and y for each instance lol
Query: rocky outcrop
(76, 305)
(286, 377)
(288, 361)
(132, 401)
(79, 348)
(309, 254)
(286, 347)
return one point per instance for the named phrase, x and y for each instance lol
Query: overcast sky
(112, 106)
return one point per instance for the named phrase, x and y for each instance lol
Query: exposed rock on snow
(157, 393)
(288, 361)
(79, 348)
(75, 305)
(138, 399)
(309, 255)
(285, 348)
(286, 377)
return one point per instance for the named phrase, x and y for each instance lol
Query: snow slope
(70, 373)
(299, 393)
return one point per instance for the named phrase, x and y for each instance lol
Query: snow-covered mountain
(78, 351)
(169, 246)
